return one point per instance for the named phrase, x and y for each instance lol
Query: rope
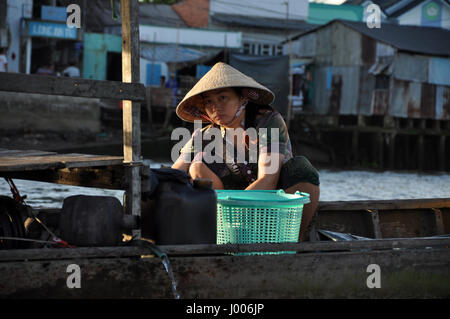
(21, 200)
(27, 239)
(15, 191)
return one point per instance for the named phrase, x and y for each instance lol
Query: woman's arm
(181, 165)
(269, 166)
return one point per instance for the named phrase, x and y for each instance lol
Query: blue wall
(96, 47)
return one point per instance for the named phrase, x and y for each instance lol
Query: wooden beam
(131, 110)
(385, 204)
(442, 152)
(130, 74)
(376, 223)
(110, 177)
(391, 150)
(380, 149)
(52, 85)
(440, 227)
(420, 151)
(53, 161)
(192, 250)
(354, 148)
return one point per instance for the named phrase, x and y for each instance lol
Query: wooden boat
(403, 252)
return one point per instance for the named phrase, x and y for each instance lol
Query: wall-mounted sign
(53, 13)
(431, 14)
(51, 30)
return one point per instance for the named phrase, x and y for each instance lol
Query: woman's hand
(269, 166)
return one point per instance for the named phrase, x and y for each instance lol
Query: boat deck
(102, 171)
(27, 160)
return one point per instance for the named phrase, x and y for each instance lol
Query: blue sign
(51, 30)
(54, 13)
(431, 14)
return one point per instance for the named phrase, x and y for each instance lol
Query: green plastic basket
(259, 216)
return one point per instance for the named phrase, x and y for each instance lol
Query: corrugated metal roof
(424, 40)
(272, 23)
(99, 14)
(159, 14)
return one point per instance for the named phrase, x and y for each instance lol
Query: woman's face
(221, 105)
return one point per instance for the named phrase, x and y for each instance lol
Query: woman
(238, 107)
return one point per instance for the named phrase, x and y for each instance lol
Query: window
(382, 82)
(279, 50)
(246, 48)
(261, 49)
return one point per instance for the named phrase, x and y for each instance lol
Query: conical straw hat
(220, 76)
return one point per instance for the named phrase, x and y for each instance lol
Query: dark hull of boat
(415, 264)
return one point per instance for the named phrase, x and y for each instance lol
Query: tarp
(171, 54)
(270, 71)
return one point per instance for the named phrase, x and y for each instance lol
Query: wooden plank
(385, 204)
(52, 85)
(22, 153)
(109, 177)
(27, 163)
(192, 250)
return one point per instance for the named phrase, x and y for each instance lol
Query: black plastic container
(179, 212)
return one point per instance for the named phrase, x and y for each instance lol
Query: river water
(335, 185)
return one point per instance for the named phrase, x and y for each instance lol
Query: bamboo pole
(131, 110)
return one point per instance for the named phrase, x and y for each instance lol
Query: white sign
(185, 36)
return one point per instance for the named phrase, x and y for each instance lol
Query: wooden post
(421, 144)
(355, 144)
(375, 223)
(380, 149)
(420, 153)
(131, 110)
(391, 152)
(289, 106)
(442, 152)
(407, 152)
